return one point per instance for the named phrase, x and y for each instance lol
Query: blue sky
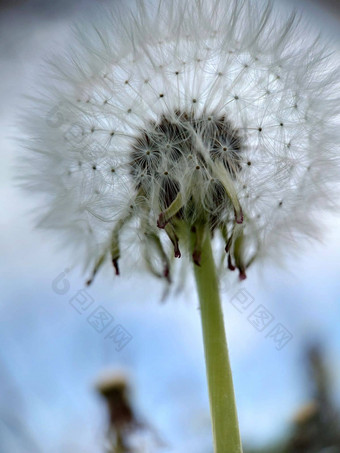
(51, 356)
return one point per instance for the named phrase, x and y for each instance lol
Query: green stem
(221, 392)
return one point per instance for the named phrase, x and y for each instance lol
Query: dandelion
(127, 433)
(122, 419)
(182, 121)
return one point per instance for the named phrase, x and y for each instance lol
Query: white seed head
(216, 114)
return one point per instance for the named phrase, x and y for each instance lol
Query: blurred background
(80, 365)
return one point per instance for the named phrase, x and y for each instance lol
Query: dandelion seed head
(215, 113)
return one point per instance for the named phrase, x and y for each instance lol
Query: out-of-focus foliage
(316, 426)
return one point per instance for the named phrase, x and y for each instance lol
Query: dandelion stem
(221, 392)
